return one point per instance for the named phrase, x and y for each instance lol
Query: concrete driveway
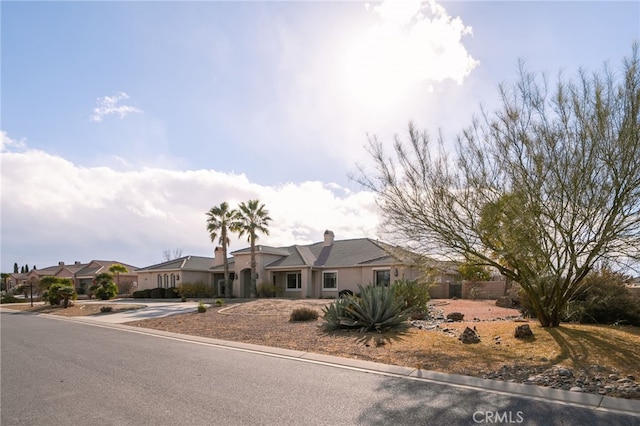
(153, 309)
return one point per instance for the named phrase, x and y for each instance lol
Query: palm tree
(252, 218)
(220, 220)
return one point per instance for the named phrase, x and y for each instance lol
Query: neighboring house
(634, 287)
(316, 270)
(81, 274)
(187, 269)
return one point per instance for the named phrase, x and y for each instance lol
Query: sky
(123, 123)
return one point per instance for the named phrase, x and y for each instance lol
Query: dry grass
(616, 349)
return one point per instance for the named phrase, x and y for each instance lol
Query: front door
(246, 283)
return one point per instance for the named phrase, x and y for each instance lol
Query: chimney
(328, 238)
(60, 263)
(77, 262)
(218, 259)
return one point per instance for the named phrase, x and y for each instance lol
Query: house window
(329, 280)
(166, 281)
(382, 277)
(294, 281)
(159, 280)
(173, 280)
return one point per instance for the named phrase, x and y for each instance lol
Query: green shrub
(9, 298)
(377, 309)
(104, 287)
(267, 290)
(198, 290)
(171, 293)
(106, 291)
(62, 291)
(605, 300)
(303, 314)
(138, 294)
(201, 307)
(106, 308)
(219, 302)
(156, 293)
(413, 294)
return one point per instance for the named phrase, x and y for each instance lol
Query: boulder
(455, 316)
(469, 336)
(505, 302)
(523, 331)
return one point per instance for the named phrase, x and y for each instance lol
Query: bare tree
(542, 189)
(168, 254)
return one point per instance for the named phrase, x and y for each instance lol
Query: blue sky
(124, 122)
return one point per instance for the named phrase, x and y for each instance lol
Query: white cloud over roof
(56, 210)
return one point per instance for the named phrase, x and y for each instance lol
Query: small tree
(116, 269)
(5, 276)
(472, 271)
(60, 290)
(47, 281)
(104, 286)
(553, 174)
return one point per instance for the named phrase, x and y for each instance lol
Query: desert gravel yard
(597, 359)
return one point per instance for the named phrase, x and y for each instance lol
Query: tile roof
(220, 268)
(186, 263)
(341, 253)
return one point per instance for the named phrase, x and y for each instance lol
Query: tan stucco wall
(485, 289)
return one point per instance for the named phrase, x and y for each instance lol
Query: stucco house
(318, 270)
(82, 274)
(186, 269)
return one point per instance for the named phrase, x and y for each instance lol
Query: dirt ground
(266, 322)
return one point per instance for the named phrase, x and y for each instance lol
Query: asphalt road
(62, 372)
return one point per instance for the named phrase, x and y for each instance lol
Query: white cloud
(109, 105)
(8, 144)
(55, 210)
(414, 44)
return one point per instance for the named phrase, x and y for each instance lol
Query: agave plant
(377, 309)
(335, 314)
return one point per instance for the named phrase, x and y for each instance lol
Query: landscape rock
(469, 336)
(589, 379)
(523, 331)
(455, 316)
(593, 379)
(505, 302)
